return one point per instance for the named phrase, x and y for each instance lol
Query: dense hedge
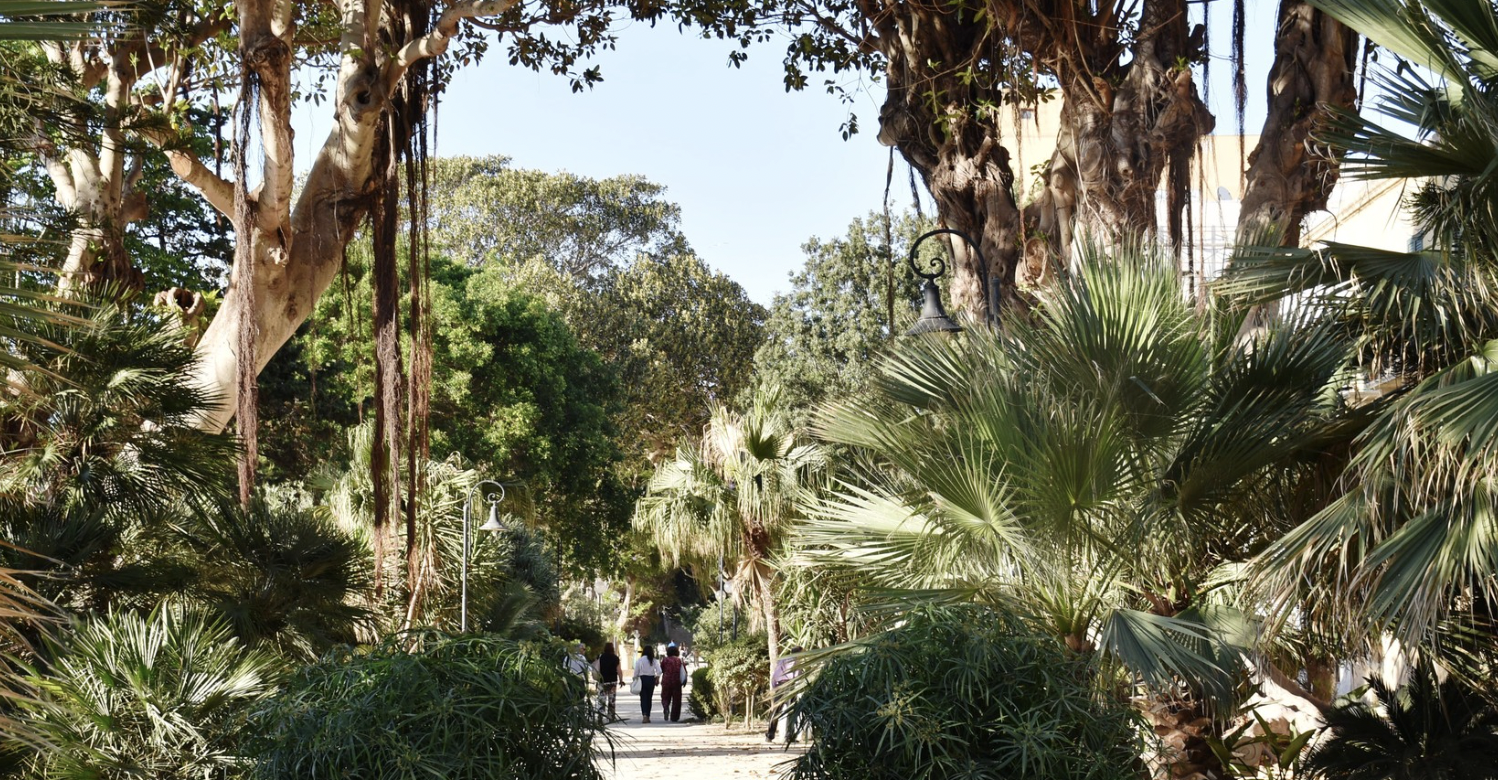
(451, 707)
(702, 696)
(962, 692)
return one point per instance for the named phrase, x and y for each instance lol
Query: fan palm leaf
(1089, 468)
(1406, 546)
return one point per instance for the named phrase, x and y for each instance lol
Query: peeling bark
(1122, 126)
(1315, 63)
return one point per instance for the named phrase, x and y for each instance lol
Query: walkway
(706, 751)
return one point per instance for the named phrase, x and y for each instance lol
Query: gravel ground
(703, 751)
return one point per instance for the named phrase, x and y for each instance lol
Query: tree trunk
(1122, 127)
(772, 621)
(301, 248)
(1130, 112)
(1315, 61)
(936, 121)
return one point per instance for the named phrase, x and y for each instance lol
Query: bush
(740, 669)
(453, 707)
(575, 630)
(131, 696)
(1429, 728)
(962, 692)
(702, 698)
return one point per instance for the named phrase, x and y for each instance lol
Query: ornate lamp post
(934, 317)
(493, 500)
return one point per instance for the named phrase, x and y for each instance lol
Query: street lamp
(493, 500)
(934, 317)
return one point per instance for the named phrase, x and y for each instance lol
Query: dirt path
(705, 751)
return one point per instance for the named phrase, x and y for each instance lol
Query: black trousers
(647, 693)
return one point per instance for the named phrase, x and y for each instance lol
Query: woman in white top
(647, 671)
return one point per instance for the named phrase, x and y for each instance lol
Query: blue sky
(756, 171)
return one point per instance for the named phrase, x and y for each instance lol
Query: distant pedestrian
(608, 676)
(673, 676)
(647, 671)
(785, 671)
(577, 660)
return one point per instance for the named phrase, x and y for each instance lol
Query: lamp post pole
(493, 500)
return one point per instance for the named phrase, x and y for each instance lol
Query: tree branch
(436, 42)
(214, 189)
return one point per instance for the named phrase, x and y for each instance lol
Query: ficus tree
(1131, 118)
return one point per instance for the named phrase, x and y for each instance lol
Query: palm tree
(1098, 468)
(281, 578)
(1426, 730)
(732, 496)
(162, 695)
(1407, 545)
(105, 420)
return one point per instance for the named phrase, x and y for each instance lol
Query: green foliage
(1425, 729)
(821, 606)
(740, 669)
(962, 692)
(1279, 753)
(513, 392)
(100, 452)
(679, 334)
(1419, 494)
(163, 695)
(466, 707)
(705, 623)
(491, 213)
(824, 338)
(703, 698)
(107, 420)
(1092, 466)
(573, 630)
(280, 577)
(512, 577)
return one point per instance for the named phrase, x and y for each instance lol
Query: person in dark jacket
(608, 676)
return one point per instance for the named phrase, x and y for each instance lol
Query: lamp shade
(493, 524)
(933, 317)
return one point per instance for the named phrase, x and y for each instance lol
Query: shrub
(158, 696)
(962, 692)
(703, 699)
(740, 670)
(1427, 729)
(453, 707)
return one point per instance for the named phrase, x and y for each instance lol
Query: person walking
(673, 676)
(785, 671)
(608, 677)
(647, 671)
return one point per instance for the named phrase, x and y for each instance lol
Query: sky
(757, 171)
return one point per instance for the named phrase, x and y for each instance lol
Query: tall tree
(731, 496)
(854, 294)
(1403, 544)
(1289, 175)
(151, 68)
(1130, 112)
(1093, 466)
(493, 212)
